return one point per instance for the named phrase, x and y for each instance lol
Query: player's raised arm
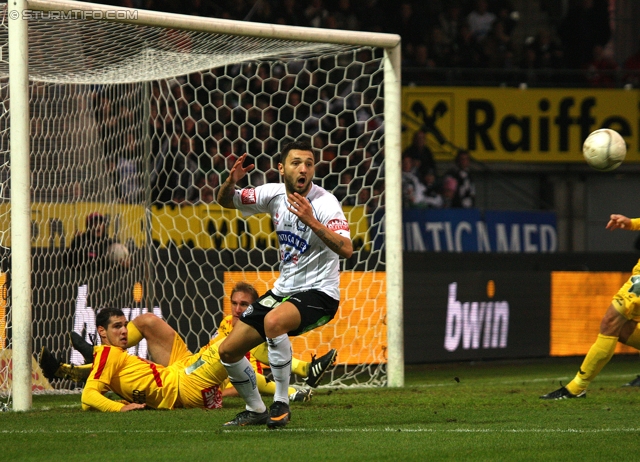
(227, 189)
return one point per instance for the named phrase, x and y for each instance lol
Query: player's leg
(312, 371)
(600, 352)
(298, 366)
(625, 306)
(279, 321)
(300, 313)
(598, 356)
(232, 352)
(157, 332)
(630, 335)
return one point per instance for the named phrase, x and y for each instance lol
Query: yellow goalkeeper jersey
(134, 379)
(190, 381)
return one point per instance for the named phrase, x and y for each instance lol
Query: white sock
(280, 361)
(243, 378)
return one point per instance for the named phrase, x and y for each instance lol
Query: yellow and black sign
(514, 125)
(195, 226)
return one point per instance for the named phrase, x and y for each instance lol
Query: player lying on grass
(619, 324)
(160, 336)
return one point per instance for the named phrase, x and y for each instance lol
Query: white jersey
(305, 261)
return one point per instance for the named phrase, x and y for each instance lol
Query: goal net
(132, 129)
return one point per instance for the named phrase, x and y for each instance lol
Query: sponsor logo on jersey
(248, 196)
(293, 240)
(269, 302)
(212, 397)
(338, 225)
(248, 311)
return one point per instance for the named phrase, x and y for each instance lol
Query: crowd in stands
(196, 146)
(444, 33)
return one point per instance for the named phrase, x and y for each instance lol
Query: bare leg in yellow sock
(298, 367)
(600, 352)
(135, 336)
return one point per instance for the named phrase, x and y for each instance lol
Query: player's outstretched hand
(133, 407)
(238, 172)
(618, 222)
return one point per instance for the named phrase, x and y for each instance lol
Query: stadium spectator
(585, 25)
(632, 66)
(619, 324)
(465, 195)
(420, 152)
(480, 20)
(431, 196)
(303, 213)
(90, 248)
(449, 192)
(411, 185)
(601, 70)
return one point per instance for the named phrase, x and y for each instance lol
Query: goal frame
(20, 159)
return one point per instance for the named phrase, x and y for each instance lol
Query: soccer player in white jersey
(313, 234)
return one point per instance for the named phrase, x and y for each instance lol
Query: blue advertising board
(470, 230)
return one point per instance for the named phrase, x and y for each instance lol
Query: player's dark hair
(105, 314)
(299, 145)
(246, 288)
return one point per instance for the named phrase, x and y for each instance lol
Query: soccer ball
(604, 149)
(118, 253)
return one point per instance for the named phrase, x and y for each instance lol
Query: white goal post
(280, 42)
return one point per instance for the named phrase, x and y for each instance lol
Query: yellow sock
(599, 354)
(634, 338)
(261, 353)
(135, 336)
(300, 368)
(268, 387)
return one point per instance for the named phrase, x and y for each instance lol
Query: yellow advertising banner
(518, 125)
(201, 226)
(359, 330)
(578, 302)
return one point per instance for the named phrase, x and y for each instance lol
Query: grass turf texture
(481, 411)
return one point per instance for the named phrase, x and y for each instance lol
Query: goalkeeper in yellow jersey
(161, 343)
(179, 379)
(619, 324)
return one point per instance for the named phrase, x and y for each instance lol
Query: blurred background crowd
(198, 136)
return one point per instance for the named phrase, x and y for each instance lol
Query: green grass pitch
(470, 411)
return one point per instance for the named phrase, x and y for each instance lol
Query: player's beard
(292, 186)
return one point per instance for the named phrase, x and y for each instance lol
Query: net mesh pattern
(133, 129)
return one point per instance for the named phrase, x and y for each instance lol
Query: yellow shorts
(627, 300)
(179, 350)
(201, 378)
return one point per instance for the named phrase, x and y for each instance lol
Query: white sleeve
(254, 200)
(332, 216)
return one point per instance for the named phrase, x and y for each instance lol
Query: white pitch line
(335, 430)
(516, 381)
